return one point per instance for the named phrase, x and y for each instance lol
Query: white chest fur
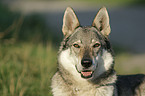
(101, 91)
(60, 88)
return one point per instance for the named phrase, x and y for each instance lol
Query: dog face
(86, 49)
(85, 46)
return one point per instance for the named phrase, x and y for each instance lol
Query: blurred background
(30, 33)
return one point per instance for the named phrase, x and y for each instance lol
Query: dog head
(86, 49)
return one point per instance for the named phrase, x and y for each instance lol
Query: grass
(26, 69)
(27, 58)
(115, 2)
(127, 63)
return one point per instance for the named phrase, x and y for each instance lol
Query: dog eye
(96, 45)
(76, 45)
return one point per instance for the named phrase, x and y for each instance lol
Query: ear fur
(101, 22)
(70, 22)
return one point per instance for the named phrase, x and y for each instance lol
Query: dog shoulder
(59, 87)
(131, 84)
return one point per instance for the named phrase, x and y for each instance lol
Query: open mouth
(86, 74)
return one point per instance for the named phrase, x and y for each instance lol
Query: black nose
(86, 63)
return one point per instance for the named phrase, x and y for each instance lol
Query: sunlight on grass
(26, 69)
(118, 60)
(126, 63)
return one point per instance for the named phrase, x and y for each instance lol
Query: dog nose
(86, 63)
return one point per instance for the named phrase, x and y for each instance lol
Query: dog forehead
(85, 35)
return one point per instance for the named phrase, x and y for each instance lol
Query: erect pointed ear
(101, 22)
(70, 22)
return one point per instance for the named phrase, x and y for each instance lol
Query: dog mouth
(86, 74)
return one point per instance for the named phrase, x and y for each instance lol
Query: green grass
(115, 2)
(26, 69)
(127, 63)
(28, 59)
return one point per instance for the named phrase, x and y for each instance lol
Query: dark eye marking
(96, 45)
(76, 45)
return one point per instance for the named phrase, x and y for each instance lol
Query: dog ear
(70, 22)
(101, 22)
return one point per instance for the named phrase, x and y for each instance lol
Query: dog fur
(86, 61)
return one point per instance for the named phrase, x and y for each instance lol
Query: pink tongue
(86, 73)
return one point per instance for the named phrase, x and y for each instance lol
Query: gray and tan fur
(86, 61)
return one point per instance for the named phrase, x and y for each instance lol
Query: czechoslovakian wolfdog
(86, 61)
